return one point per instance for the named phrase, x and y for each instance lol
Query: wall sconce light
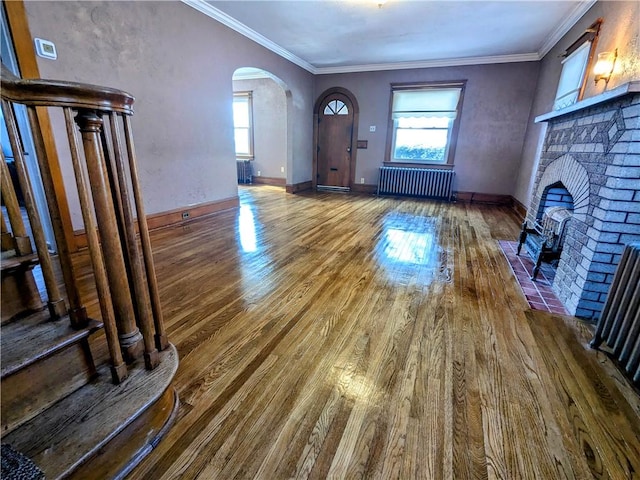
(604, 66)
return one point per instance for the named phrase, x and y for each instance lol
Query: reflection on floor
(539, 293)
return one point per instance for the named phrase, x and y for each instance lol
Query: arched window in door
(336, 107)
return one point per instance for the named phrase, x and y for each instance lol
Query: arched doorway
(335, 134)
(263, 134)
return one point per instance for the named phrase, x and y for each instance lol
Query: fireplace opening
(545, 241)
(555, 195)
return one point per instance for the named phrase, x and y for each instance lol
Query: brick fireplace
(590, 162)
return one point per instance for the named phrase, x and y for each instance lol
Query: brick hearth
(593, 149)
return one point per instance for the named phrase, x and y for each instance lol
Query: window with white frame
(575, 65)
(243, 124)
(574, 68)
(424, 122)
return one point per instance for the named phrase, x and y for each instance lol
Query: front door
(335, 128)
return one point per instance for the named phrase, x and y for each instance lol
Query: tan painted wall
(178, 63)
(494, 117)
(270, 125)
(621, 30)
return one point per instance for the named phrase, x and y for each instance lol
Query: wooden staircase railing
(98, 124)
(59, 407)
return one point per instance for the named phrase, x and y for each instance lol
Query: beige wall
(621, 30)
(178, 63)
(494, 117)
(269, 125)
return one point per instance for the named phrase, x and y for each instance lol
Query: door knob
(348, 149)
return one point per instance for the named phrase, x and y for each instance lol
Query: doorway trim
(354, 132)
(28, 64)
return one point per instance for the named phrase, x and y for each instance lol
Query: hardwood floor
(343, 336)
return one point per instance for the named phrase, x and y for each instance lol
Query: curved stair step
(43, 361)
(31, 339)
(75, 434)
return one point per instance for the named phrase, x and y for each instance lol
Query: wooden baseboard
(488, 198)
(519, 208)
(275, 181)
(173, 217)
(363, 188)
(299, 187)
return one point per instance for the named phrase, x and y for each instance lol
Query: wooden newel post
(129, 336)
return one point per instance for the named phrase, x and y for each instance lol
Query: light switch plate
(45, 48)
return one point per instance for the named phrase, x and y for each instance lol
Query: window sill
(444, 166)
(244, 157)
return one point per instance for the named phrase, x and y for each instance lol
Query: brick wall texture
(595, 154)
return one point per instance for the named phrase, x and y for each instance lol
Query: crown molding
(250, 76)
(449, 62)
(218, 15)
(573, 17)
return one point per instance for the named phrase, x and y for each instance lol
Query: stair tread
(75, 428)
(10, 261)
(25, 341)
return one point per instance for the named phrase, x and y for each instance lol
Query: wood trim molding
(275, 181)
(488, 198)
(22, 40)
(364, 188)
(519, 208)
(174, 217)
(26, 57)
(299, 187)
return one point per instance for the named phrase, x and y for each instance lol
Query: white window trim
(589, 39)
(251, 154)
(561, 101)
(452, 131)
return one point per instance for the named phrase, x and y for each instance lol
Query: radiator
(416, 182)
(619, 325)
(244, 171)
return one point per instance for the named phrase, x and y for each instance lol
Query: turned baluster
(6, 240)
(77, 312)
(143, 306)
(21, 242)
(115, 185)
(118, 367)
(130, 338)
(56, 304)
(162, 341)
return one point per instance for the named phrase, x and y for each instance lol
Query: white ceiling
(356, 35)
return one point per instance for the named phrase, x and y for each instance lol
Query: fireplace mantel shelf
(622, 90)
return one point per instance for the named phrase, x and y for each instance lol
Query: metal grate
(619, 325)
(416, 182)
